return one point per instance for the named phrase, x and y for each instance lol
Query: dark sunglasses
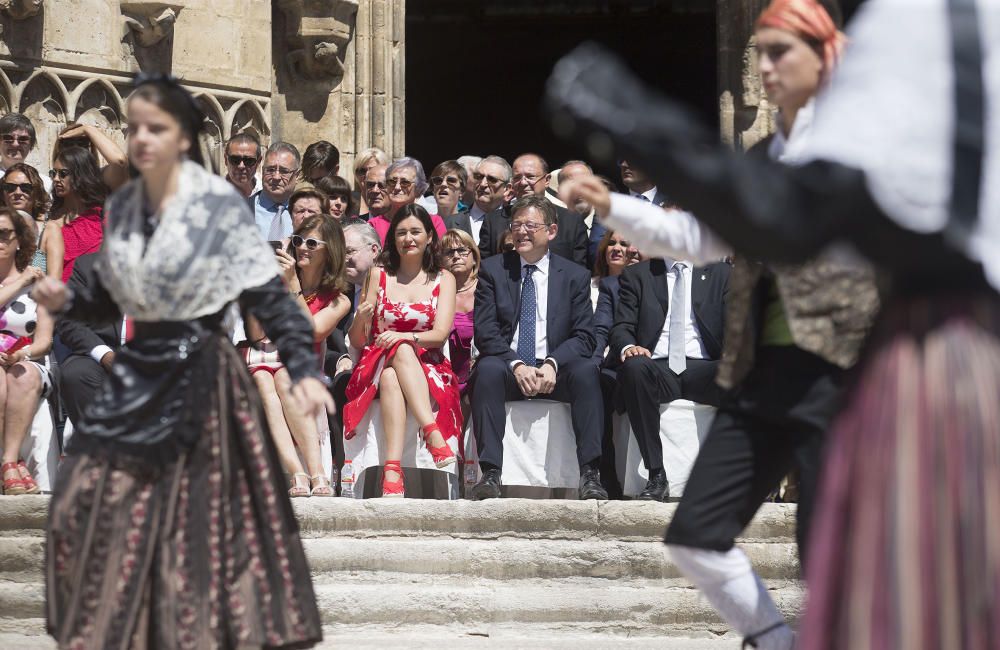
(454, 181)
(492, 180)
(248, 161)
(23, 141)
(6, 234)
(27, 188)
(311, 244)
(61, 173)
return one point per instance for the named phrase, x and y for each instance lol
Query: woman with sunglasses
(170, 525)
(403, 320)
(405, 183)
(339, 193)
(314, 276)
(448, 181)
(460, 255)
(25, 338)
(24, 191)
(91, 138)
(78, 204)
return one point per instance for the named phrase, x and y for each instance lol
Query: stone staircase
(503, 573)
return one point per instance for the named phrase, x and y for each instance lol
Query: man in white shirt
(668, 336)
(534, 329)
(270, 204)
(243, 153)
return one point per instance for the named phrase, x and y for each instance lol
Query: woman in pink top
(79, 194)
(405, 182)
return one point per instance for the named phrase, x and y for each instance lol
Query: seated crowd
(441, 299)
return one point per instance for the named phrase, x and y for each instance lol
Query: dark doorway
(475, 69)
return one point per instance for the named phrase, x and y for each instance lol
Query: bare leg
(276, 422)
(303, 428)
(393, 416)
(414, 386)
(25, 386)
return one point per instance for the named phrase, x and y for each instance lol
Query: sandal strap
(6, 466)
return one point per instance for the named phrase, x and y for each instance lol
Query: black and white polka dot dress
(18, 320)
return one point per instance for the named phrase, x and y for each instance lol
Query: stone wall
(306, 69)
(745, 115)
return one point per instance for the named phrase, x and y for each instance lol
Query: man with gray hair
(469, 194)
(270, 203)
(491, 180)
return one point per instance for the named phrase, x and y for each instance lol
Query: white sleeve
(664, 233)
(98, 353)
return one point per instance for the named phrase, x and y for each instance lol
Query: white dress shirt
(650, 194)
(694, 348)
(476, 219)
(541, 279)
(672, 234)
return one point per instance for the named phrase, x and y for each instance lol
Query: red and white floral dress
(441, 380)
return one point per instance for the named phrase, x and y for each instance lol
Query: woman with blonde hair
(460, 255)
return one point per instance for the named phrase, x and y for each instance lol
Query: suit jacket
(604, 318)
(459, 221)
(643, 299)
(570, 317)
(79, 337)
(570, 241)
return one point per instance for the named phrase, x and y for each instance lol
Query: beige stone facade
(298, 70)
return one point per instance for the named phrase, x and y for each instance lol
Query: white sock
(736, 593)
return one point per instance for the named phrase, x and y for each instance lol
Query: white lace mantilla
(204, 253)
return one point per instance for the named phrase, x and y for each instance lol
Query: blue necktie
(526, 322)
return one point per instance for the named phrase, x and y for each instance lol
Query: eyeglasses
(460, 252)
(24, 187)
(311, 244)
(6, 234)
(454, 181)
(371, 185)
(525, 177)
(404, 183)
(61, 173)
(23, 141)
(492, 180)
(527, 226)
(247, 161)
(272, 170)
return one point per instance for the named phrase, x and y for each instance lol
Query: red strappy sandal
(30, 487)
(392, 489)
(443, 456)
(12, 486)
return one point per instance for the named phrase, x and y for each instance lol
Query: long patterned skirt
(201, 552)
(906, 547)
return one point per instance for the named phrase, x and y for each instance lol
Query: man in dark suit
(668, 336)
(534, 332)
(640, 185)
(492, 182)
(531, 177)
(92, 348)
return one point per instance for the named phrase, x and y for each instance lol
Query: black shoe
(657, 488)
(488, 487)
(590, 485)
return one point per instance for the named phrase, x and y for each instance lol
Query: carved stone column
(339, 74)
(744, 113)
(21, 9)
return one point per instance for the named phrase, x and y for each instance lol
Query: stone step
(492, 519)
(635, 607)
(21, 558)
(379, 637)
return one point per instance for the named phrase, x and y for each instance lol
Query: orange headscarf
(808, 20)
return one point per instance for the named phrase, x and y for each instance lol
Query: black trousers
(775, 420)
(647, 383)
(338, 388)
(577, 384)
(79, 378)
(609, 470)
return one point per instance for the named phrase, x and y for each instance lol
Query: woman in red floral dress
(413, 303)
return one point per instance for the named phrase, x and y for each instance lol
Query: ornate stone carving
(148, 22)
(317, 32)
(21, 9)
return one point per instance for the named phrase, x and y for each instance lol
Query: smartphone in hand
(275, 245)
